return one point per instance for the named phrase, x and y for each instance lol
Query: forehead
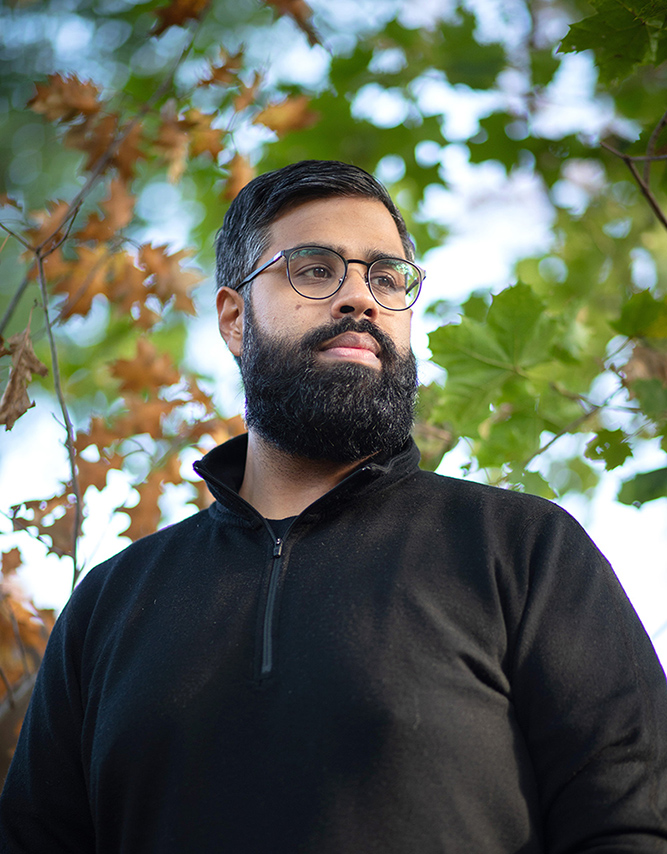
(355, 225)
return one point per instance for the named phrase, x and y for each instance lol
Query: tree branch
(646, 190)
(69, 430)
(650, 148)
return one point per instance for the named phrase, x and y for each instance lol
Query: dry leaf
(169, 280)
(85, 279)
(646, 363)
(173, 141)
(95, 138)
(144, 516)
(290, 114)
(148, 369)
(125, 282)
(15, 401)
(203, 138)
(11, 561)
(247, 94)
(98, 434)
(7, 200)
(65, 98)
(240, 174)
(118, 211)
(225, 72)
(95, 473)
(178, 12)
(302, 14)
(60, 530)
(144, 416)
(49, 223)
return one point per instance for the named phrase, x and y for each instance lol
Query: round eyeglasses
(316, 272)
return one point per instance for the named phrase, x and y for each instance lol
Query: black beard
(340, 412)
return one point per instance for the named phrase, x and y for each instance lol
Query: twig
(8, 686)
(11, 308)
(17, 236)
(646, 190)
(650, 148)
(69, 430)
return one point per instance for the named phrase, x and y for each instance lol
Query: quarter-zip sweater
(420, 665)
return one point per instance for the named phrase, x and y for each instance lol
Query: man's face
(330, 379)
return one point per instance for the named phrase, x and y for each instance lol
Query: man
(343, 654)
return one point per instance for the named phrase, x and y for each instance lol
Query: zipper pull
(278, 548)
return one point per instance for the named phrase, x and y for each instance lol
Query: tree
(176, 103)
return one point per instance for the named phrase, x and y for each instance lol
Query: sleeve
(591, 699)
(44, 805)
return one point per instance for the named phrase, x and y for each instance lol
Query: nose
(354, 296)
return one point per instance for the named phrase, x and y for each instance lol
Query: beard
(339, 412)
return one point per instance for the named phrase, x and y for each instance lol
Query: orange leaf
(96, 138)
(169, 280)
(144, 416)
(302, 14)
(5, 199)
(178, 12)
(125, 282)
(98, 434)
(247, 94)
(173, 141)
(49, 223)
(11, 561)
(65, 98)
(203, 138)
(95, 473)
(60, 530)
(118, 209)
(224, 73)
(86, 278)
(149, 369)
(144, 516)
(290, 114)
(240, 174)
(15, 401)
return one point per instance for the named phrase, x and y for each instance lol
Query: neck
(278, 484)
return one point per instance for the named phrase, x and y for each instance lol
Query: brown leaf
(15, 401)
(178, 12)
(65, 98)
(61, 533)
(240, 174)
(219, 429)
(169, 280)
(95, 138)
(247, 94)
(302, 14)
(95, 473)
(148, 370)
(144, 416)
(60, 530)
(98, 434)
(49, 222)
(125, 282)
(11, 561)
(118, 210)
(225, 72)
(85, 279)
(144, 516)
(203, 138)
(173, 142)
(5, 199)
(291, 114)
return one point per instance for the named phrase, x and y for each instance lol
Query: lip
(354, 346)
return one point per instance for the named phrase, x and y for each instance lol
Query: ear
(230, 318)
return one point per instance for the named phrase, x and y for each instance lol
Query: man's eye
(387, 282)
(314, 271)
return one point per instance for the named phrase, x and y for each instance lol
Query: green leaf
(644, 487)
(642, 315)
(652, 397)
(610, 446)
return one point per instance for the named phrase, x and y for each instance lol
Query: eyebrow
(368, 255)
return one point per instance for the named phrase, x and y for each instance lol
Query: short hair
(245, 232)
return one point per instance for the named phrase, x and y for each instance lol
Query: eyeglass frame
(286, 253)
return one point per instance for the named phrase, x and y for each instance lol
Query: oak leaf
(178, 12)
(301, 12)
(148, 370)
(11, 561)
(98, 434)
(60, 529)
(95, 473)
(144, 416)
(15, 401)
(118, 210)
(85, 279)
(173, 142)
(203, 138)
(247, 94)
(225, 72)
(49, 224)
(291, 114)
(96, 138)
(145, 515)
(125, 282)
(240, 174)
(65, 98)
(168, 278)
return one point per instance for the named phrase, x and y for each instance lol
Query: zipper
(270, 610)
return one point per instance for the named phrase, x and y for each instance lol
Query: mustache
(313, 340)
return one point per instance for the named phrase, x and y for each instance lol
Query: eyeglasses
(318, 273)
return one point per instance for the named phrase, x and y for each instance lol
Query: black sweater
(423, 665)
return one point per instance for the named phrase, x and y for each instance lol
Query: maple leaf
(291, 114)
(169, 280)
(98, 434)
(178, 12)
(203, 138)
(95, 138)
(59, 529)
(247, 94)
(225, 72)
(118, 209)
(144, 416)
(85, 278)
(240, 174)
(149, 369)
(15, 401)
(145, 515)
(127, 291)
(65, 98)
(301, 12)
(95, 473)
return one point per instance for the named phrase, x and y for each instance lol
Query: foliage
(176, 106)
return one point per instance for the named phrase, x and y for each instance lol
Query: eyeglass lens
(316, 272)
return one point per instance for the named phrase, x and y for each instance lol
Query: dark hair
(244, 235)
